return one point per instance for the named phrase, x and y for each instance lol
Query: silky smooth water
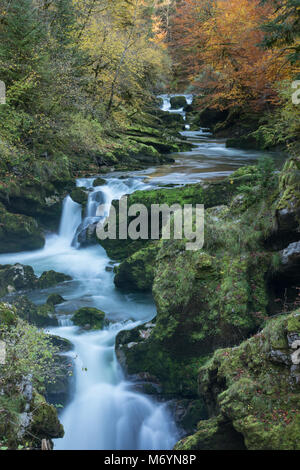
(105, 411)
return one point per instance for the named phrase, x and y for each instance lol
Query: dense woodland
(78, 73)
(83, 79)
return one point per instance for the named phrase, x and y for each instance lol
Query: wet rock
(55, 299)
(137, 271)
(16, 278)
(178, 102)
(87, 235)
(247, 387)
(19, 233)
(58, 392)
(286, 228)
(44, 421)
(91, 318)
(41, 316)
(63, 344)
(51, 279)
(99, 182)
(291, 263)
(80, 196)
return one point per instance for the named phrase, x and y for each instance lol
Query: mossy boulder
(178, 102)
(63, 344)
(146, 359)
(256, 388)
(55, 299)
(51, 279)
(209, 194)
(45, 423)
(80, 196)
(16, 278)
(209, 117)
(99, 182)
(137, 271)
(90, 318)
(286, 227)
(39, 315)
(213, 434)
(37, 198)
(19, 232)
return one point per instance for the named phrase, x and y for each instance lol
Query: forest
(138, 344)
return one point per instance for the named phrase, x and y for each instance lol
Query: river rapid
(104, 411)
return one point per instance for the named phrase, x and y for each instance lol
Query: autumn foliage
(219, 45)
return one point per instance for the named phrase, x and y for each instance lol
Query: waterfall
(70, 219)
(166, 105)
(105, 411)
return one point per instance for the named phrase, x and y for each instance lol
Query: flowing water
(105, 411)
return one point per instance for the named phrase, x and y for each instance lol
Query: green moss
(45, 423)
(137, 271)
(52, 278)
(41, 316)
(91, 317)
(99, 182)
(55, 299)
(254, 390)
(212, 194)
(80, 196)
(19, 233)
(213, 434)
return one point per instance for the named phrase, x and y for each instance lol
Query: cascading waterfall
(71, 218)
(105, 412)
(166, 105)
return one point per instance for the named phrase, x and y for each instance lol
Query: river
(105, 412)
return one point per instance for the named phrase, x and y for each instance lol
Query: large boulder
(51, 279)
(41, 200)
(89, 318)
(39, 315)
(178, 102)
(209, 194)
(19, 232)
(16, 278)
(137, 271)
(255, 390)
(286, 228)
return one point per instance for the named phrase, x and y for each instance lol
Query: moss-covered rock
(209, 194)
(145, 358)
(80, 196)
(99, 182)
(256, 387)
(19, 232)
(45, 423)
(214, 434)
(178, 102)
(15, 278)
(37, 198)
(90, 318)
(286, 228)
(39, 315)
(55, 299)
(51, 279)
(137, 271)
